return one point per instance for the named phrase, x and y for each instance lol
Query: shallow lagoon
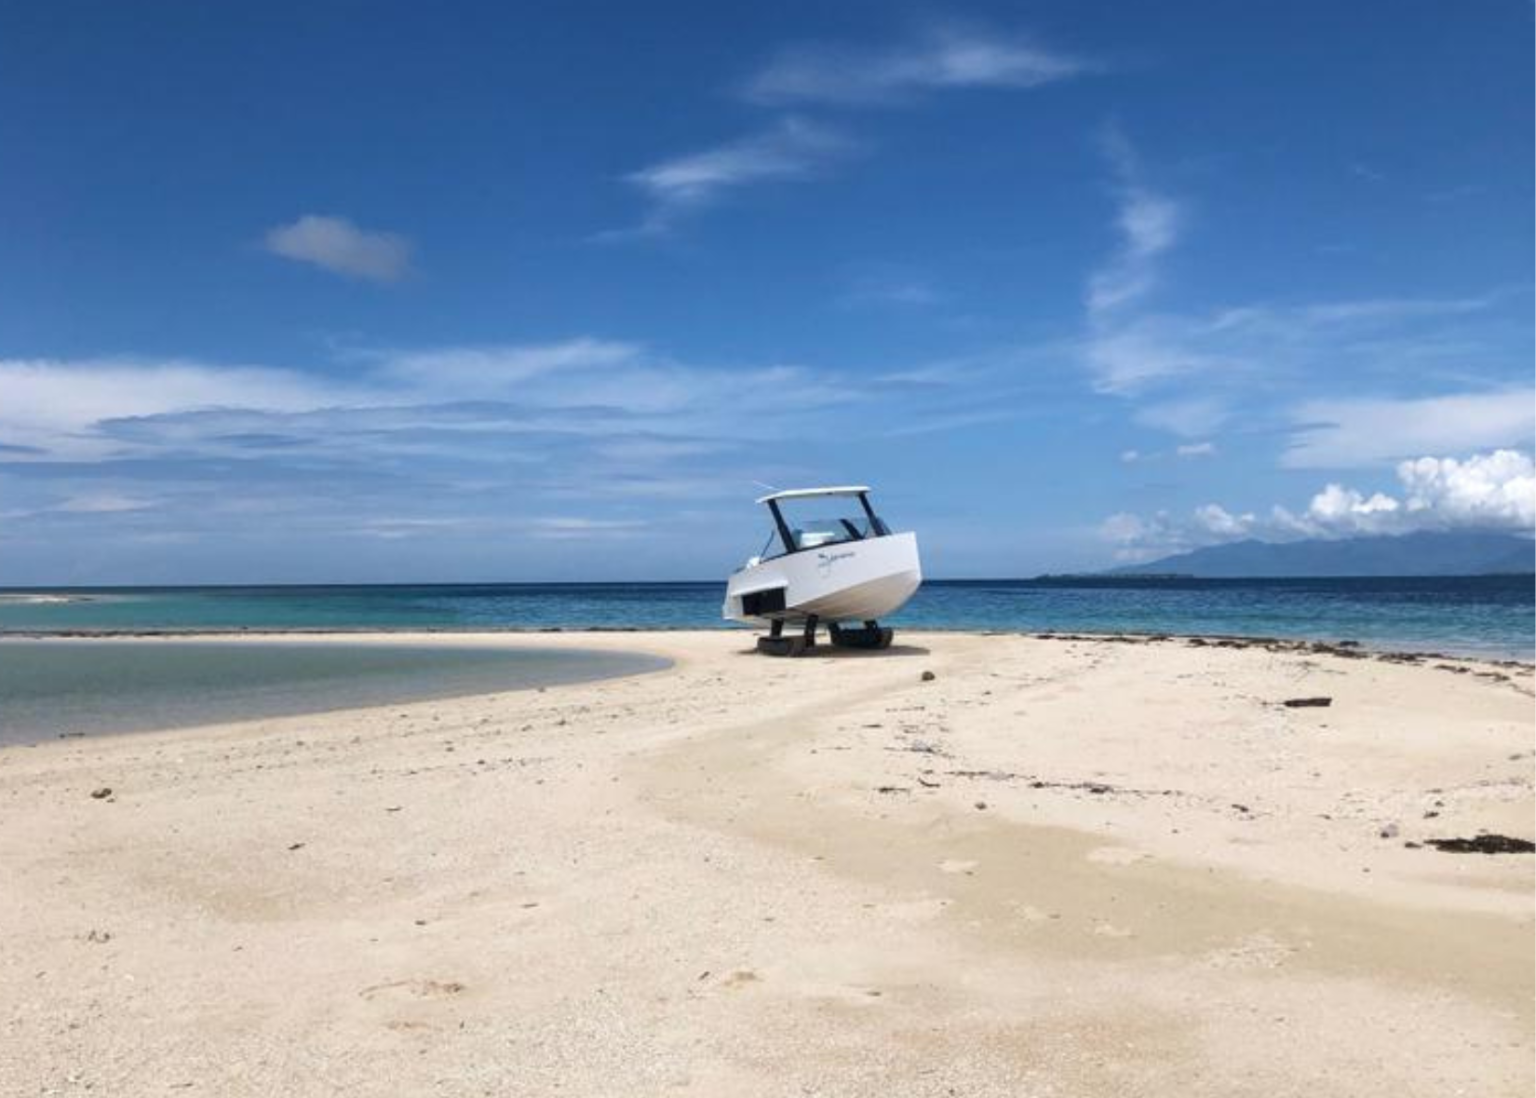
(65, 687)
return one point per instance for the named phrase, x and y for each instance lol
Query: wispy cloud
(792, 150)
(1194, 372)
(51, 405)
(462, 445)
(1148, 223)
(1184, 452)
(1126, 348)
(337, 245)
(1331, 433)
(889, 285)
(939, 57)
(570, 526)
(479, 370)
(1490, 492)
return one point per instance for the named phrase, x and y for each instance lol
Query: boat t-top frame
(791, 542)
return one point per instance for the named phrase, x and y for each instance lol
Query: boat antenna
(769, 487)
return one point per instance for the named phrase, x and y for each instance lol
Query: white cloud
(1148, 224)
(1345, 511)
(1127, 349)
(1392, 309)
(890, 286)
(491, 369)
(1493, 491)
(941, 57)
(1245, 358)
(414, 441)
(1182, 452)
(1190, 417)
(337, 245)
(1343, 433)
(794, 149)
(580, 527)
(1126, 530)
(1133, 352)
(1496, 489)
(53, 404)
(104, 503)
(89, 410)
(1221, 523)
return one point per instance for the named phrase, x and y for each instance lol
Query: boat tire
(868, 637)
(782, 646)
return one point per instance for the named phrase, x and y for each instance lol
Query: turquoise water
(66, 687)
(1479, 615)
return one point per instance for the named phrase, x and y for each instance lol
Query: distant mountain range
(1422, 554)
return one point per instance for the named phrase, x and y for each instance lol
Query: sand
(1059, 867)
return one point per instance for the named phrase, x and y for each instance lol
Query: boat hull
(850, 581)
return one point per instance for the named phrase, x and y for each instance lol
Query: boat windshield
(813, 522)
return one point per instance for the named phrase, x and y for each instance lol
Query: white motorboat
(824, 571)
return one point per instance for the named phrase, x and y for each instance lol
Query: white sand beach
(1054, 867)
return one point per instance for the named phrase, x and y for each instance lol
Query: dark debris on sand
(1483, 844)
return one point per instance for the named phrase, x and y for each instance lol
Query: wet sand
(1057, 867)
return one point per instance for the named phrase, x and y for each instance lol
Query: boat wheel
(873, 635)
(782, 646)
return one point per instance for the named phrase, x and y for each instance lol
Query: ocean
(1491, 616)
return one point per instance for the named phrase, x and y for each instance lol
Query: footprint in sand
(742, 977)
(915, 911)
(957, 865)
(413, 989)
(407, 1026)
(1255, 951)
(1109, 930)
(1117, 855)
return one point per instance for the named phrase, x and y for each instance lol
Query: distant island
(1420, 554)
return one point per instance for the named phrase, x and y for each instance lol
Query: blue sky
(329, 292)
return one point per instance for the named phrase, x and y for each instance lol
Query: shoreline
(1347, 648)
(1073, 866)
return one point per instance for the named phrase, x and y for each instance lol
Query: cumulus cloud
(339, 246)
(1492, 492)
(1495, 489)
(939, 57)
(792, 150)
(1341, 511)
(1218, 521)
